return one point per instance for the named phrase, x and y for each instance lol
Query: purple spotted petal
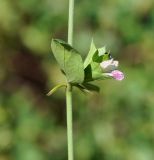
(118, 75)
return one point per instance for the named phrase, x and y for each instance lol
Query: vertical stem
(69, 87)
(70, 22)
(69, 121)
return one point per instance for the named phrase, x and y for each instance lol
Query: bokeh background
(118, 123)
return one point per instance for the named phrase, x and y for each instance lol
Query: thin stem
(69, 121)
(70, 22)
(69, 87)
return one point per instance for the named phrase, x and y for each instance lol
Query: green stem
(70, 22)
(69, 121)
(69, 87)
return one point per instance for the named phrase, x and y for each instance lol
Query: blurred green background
(118, 123)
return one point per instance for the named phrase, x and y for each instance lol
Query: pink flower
(109, 68)
(118, 75)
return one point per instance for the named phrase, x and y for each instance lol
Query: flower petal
(109, 65)
(118, 75)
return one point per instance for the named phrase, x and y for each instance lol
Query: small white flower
(109, 65)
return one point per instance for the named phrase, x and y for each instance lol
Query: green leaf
(97, 58)
(93, 70)
(90, 87)
(88, 74)
(102, 51)
(101, 55)
(90, 54)
(69, 60)
(96, 70)
(55, 89)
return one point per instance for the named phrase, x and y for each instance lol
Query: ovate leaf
(69, 60)
(90, 54)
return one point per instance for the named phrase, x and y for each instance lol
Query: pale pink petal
(115, 63)
(106, 63)
(109, 65)
(118, 75)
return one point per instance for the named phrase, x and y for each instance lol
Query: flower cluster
(109, 68)
(98, 65)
